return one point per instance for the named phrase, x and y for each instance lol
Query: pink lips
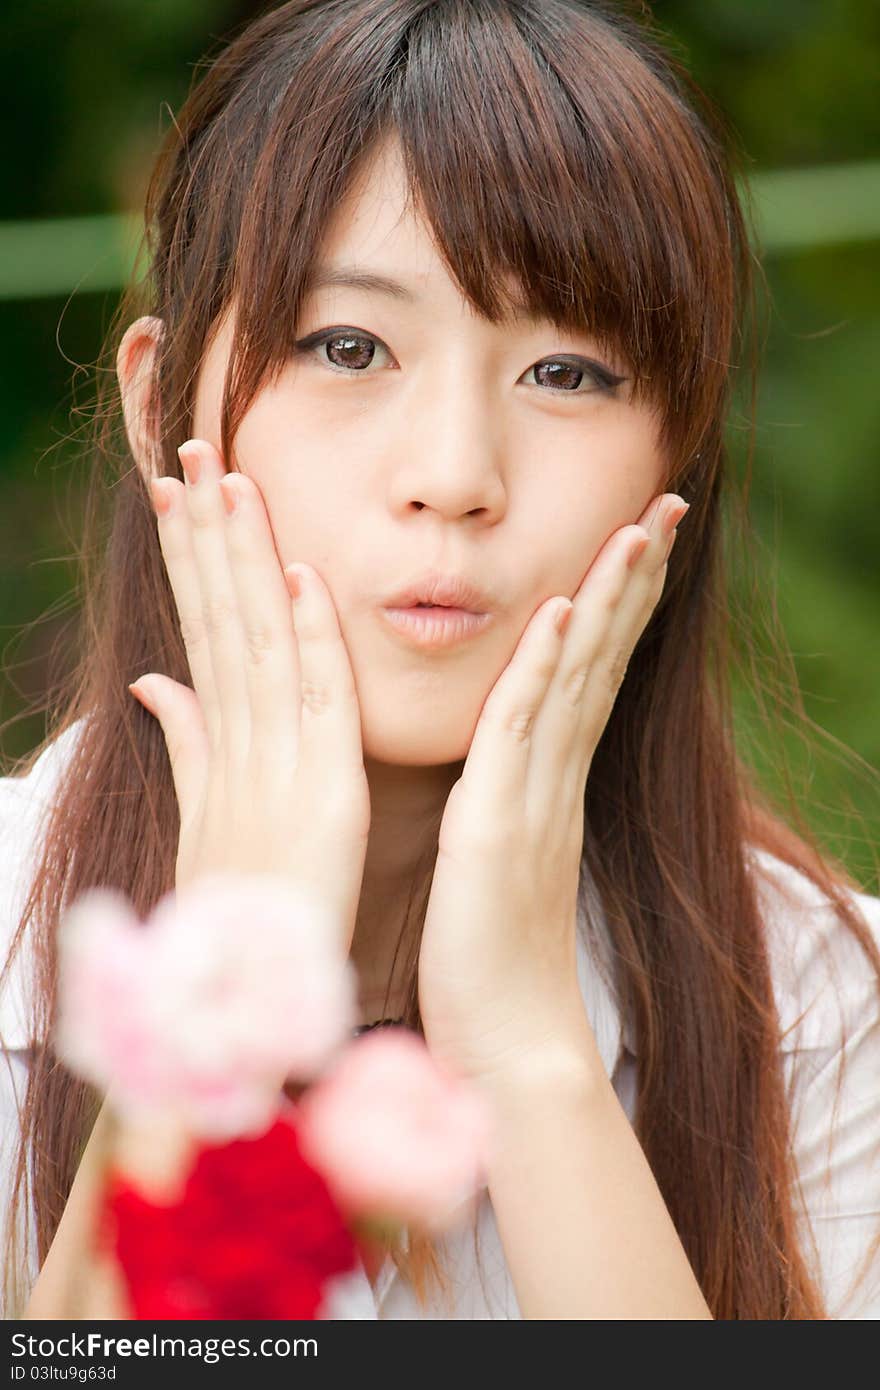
(443, 590)
(438, 609)
(436, 627)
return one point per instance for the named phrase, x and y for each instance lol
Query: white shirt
(812, 956)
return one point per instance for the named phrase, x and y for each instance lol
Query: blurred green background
(90, 88)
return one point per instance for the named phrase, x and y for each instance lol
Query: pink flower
(256, 962)
(395, 1135)
(107, 975)
(232, 985)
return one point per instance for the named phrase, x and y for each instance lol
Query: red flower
(256, 1234)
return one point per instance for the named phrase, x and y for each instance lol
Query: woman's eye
(351, 351)
(565, 375)
(348, 351)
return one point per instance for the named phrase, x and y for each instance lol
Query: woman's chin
(410, 738)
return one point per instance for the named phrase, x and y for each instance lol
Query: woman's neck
(406, 807)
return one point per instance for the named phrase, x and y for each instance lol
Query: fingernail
(191, 462)
(161, 495)
(562, 616)
(637, 548)
(675, 517)
(293, 576)
(229, 493)
(139, 693)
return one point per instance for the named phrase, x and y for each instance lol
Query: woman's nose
(454, 466)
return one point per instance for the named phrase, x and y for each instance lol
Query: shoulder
(822, 977)
(828, 999)
(24, 803)
(17, 1222)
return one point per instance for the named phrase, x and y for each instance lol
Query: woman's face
(425, 438)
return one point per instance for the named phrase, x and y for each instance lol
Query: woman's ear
(135, 368)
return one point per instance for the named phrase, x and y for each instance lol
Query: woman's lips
(436, 627)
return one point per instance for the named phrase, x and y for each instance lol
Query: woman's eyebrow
(352, 277)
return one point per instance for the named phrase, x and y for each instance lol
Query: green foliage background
(89, 89)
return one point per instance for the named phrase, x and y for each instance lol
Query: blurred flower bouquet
(220, 1196)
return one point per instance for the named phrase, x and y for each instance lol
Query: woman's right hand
(265, 751)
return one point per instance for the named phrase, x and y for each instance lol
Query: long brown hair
(560, 141)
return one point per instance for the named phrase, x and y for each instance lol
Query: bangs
(543, 152)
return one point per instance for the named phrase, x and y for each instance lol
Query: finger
(271, 661)
(497, 762)
(644, 582)
(612, 609)
(560, 735)
(179, 714)
(615, 599)
(220, 619)
(659, 519)
(175, 541)
(330, 722)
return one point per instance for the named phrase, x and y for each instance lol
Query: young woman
(442, 304)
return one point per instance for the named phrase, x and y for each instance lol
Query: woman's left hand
(498, 962)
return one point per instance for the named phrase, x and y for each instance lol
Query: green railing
(795, 208)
